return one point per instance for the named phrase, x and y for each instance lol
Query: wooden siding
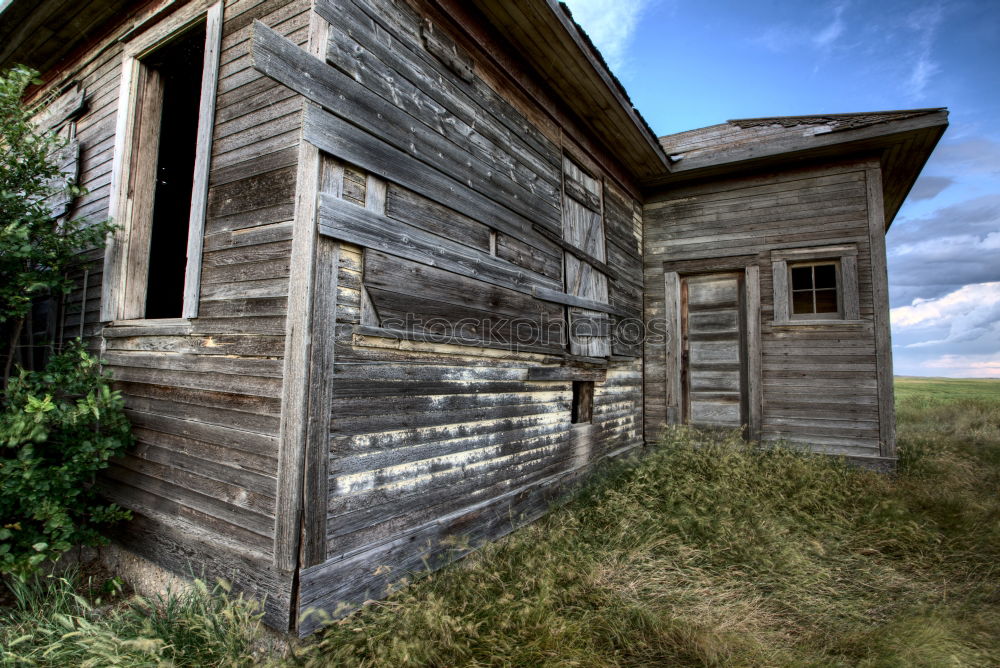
(461, 169)
(204, 395)
(819, 381)
(445, 205)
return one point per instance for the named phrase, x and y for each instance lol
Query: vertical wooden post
(880, 300)
(672, 359)
(755, 379)
(293, 437)
(849, 287)
(320, 397)
(779, 275)
(298, 358)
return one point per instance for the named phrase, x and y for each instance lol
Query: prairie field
(945, 389)
(704, 552)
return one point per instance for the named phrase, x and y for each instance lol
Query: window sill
(819, 322)
(142, 327)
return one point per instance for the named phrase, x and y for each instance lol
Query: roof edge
(553, 44)
(782, 146)
(902, 145)
(924, 110)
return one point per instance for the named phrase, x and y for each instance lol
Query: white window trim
(846, 258)
(115, 292)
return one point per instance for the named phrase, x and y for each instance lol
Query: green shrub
(60, 425)
(35, 250)
(58, 428)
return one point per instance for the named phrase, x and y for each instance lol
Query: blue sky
(691, 64)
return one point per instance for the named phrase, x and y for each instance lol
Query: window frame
(844, 257)
(838, 288)
(124, 299)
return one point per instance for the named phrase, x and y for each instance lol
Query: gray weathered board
(373, 159)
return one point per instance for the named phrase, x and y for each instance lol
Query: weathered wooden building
(765, 255)
(390, 273)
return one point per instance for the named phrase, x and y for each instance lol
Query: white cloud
(924, 22)
(923, 70)
(967, 366)
(929, 187)
(971, 313)
(924, 311)
(953, 246)
(610, 25)
(828, 35)
(975, 155)
(950, 248)
(787, 36)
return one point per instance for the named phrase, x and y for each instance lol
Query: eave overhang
(40, 34)
(902, 143)
(554, 47)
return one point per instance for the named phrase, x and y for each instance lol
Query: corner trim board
(755, 374)
(880, 297)
(295, 388)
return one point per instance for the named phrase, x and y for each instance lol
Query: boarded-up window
(583, 228)
(68, 160)
(58, 117)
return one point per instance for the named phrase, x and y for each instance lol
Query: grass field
(708, 555)
(938, 389)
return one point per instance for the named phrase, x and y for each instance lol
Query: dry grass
(709, 553)
(706, 552)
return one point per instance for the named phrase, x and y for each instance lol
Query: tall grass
(705, 552)
(711, 553)
(53, 622)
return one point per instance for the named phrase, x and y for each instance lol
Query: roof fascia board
(798, 144)
(778, 119)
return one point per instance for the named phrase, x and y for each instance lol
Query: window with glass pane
(814, 289)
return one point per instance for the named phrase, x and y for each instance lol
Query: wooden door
(713, 351)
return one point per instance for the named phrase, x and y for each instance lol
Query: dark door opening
(177, 68)
(583, 401)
